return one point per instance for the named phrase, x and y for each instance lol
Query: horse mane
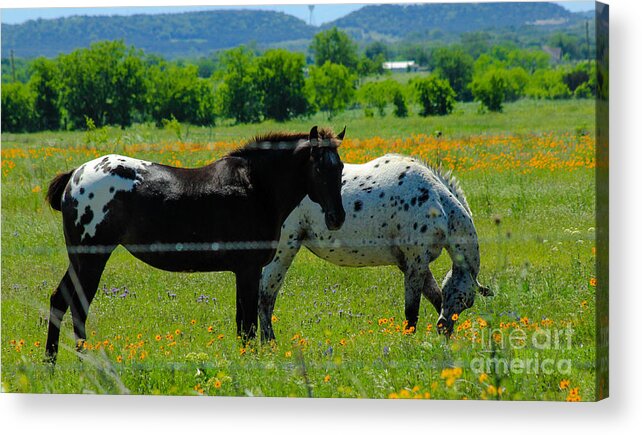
(280, 139)
(451, 182)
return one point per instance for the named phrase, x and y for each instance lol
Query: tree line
(110, 83)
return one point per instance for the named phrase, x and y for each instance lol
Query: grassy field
(529, 177)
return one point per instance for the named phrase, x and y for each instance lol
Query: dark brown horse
(224, 216)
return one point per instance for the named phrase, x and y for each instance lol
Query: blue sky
(322, 13)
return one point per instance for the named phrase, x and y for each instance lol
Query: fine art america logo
(516, 352)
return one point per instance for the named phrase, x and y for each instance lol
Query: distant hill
(400, 21)
(171, 35)
(194, 34)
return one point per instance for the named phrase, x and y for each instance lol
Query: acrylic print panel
(460, 252)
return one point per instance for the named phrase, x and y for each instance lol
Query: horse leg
(89, 269)
(272, 279)
(431, 290)
(413, 283)
(247, 302)
(58, 304)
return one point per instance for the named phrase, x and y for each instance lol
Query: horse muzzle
(334, 220)
(445, 326)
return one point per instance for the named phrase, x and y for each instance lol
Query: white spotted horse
(401, 212)
(225, 216)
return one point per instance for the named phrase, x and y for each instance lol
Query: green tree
(435, 95)
(399, 101)
(178, 93)
(367, 66)
(282, 83)
(548, 84)
(491, 89)
(104, 82)
(476, 43)
(581, 76)
(501, 57)
(44, 83)
(18, 70)
(378, 94)
(17, 108)
(414, 51)
(529, 60)
(334, 46)
(240, 95)
(456, 66)
(377, 50)
(331, 87)
(571, 45)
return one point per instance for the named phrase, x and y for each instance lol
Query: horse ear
(342, 134)
(314, 134)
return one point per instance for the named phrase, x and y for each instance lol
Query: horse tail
(57, 188)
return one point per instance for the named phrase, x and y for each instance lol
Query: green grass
(536, 238)
(524, 116)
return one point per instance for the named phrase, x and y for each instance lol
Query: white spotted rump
(95, 184)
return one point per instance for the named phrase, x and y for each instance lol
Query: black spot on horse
(423, 228)
(413, 201)
(358, 205)
(368, 189)
(78, 174)
(377, 165)
(400, 183)
(406, 207)
(87, 216)
(112, 189)
(402, 175)
(124, 172)
(383, 225)
(423, 198)
(386, 162)
(82, 190)
(381, 195)
(91, 195)
(414, 226)
(103, 165)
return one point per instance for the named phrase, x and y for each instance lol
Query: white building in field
(400, 66)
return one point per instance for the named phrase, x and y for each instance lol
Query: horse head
(458, 290)
(323, 175)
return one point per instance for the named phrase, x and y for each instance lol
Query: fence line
(273, 244)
